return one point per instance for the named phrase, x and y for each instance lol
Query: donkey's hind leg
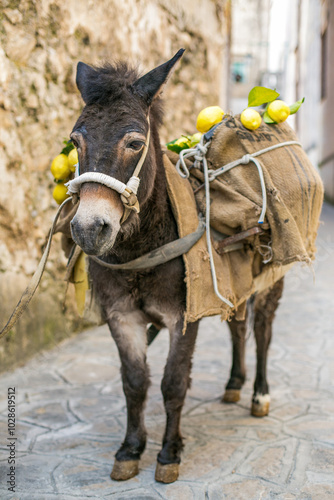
(174, 386)
(129, 333)
(266, 304)
(238, 371)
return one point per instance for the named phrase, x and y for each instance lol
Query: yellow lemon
(60, 193)
(250, 118)
(60, 167)
(73, 159)
(278, 111)
(209, 117)
(194, 139)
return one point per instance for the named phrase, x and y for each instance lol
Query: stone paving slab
(72, 418)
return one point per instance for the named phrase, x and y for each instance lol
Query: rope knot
(202, 148)
(211, 175)
(130, 202)
(245, 159)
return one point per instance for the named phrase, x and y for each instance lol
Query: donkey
(121, 110)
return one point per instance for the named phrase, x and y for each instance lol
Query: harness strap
(161, 255)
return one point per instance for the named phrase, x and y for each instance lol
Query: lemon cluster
(277, 110)
(62, 167)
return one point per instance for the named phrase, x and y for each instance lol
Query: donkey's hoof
(166, 473)
(124, 470)
(231, 396)
(260, 405)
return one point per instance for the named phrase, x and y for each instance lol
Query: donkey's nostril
(90, 235)
(105, 228)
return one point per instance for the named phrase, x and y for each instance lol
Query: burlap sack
(294, 197)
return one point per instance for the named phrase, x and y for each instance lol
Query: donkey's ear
(86, 75)
(151, 85)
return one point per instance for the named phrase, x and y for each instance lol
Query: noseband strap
(127, 191)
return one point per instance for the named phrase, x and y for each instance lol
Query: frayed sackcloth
(294, 198)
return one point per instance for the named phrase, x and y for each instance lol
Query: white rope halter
(127, 191)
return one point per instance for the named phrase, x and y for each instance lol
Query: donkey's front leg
(174, 386)
(129, 333)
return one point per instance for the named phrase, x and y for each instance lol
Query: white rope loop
(74, 185)
(263, 189)
(198, 153)
(247, 157)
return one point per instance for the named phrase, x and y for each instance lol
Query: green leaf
(261, 95)
(171, 142)
(68, 147)
(174, 147)
(295, 106)
(179, 144)
(267, 119)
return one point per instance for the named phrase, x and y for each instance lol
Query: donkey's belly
(163, 316)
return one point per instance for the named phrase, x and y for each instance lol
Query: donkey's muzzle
(92, 236)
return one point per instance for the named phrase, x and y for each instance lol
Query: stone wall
(41, 42)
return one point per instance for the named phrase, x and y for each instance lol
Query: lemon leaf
(267, 119)
(173, 146)
(295, 106)
(179, 144)
(171, 142)
(261, 95)
(68, 147)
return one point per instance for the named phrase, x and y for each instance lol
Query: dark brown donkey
(111, 136)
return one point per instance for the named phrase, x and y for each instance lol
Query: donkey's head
(112, 137)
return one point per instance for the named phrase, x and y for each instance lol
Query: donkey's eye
(135, 145)
(76, 138)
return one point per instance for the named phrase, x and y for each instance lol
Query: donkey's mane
(112, 81)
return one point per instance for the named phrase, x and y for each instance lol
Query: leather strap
(162, 254)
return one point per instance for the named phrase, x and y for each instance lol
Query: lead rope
(199, 154)
(35, 280)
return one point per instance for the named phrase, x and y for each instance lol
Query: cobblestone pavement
(71, 411)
